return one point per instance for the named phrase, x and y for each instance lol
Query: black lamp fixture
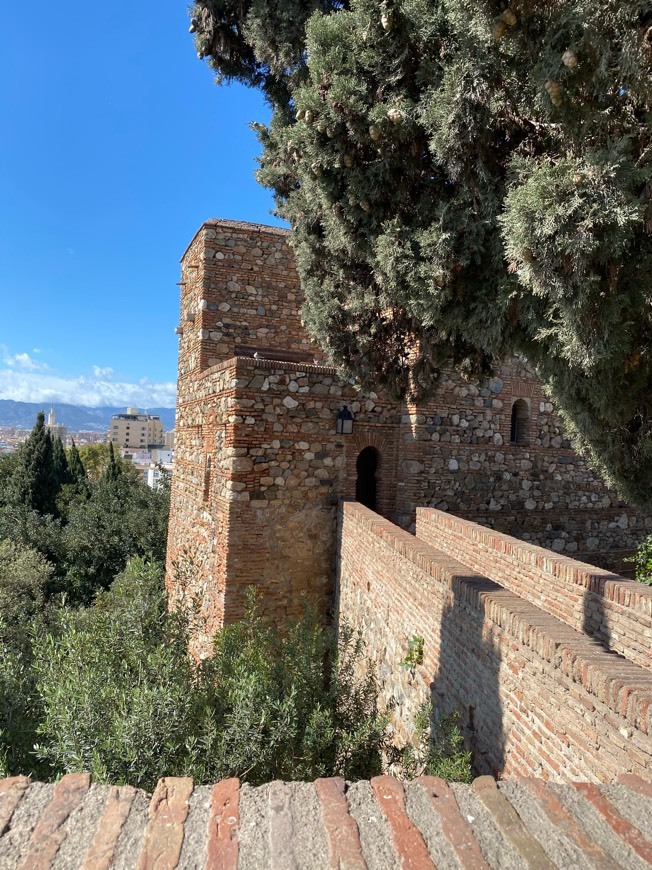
(344, 421)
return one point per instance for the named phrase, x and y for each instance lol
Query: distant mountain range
(78, 418)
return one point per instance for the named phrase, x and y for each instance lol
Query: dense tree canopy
(467, 180)
(86, 527)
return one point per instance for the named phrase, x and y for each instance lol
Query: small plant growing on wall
(437, 748)
(414, 654)
(642, 559)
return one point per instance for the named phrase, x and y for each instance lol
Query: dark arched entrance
(365, 485)
(518, 433)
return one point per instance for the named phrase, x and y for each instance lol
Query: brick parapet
(329, 823)
(614, 610)
(536, 696)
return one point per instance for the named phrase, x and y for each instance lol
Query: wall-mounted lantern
(344, 421)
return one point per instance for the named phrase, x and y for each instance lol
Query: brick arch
(384, 440)
(378, 440)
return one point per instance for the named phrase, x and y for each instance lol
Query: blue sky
(115, 145)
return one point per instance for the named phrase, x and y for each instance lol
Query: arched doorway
(365, 485)
(518, 433)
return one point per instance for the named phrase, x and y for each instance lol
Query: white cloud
(103, 372)
(23, 379)
(23, 361)
(23, 384)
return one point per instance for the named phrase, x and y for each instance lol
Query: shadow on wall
(594, 621)
(468, 672)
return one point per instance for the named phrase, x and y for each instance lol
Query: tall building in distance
(57, 430)
(135, 430)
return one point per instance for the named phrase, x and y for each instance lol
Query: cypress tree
(76, 468)
(467, 180)
(60, 462)
(112, 469)
(35, 482)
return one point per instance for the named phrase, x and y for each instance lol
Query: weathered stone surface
(101, 854)
(50, 830)
(347, 828)
(163, 837)
(11, 791)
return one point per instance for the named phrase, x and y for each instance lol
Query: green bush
(122, 699)
(289, 706)
(643, 561)
(116, 685)
(24, 578)
(20, 712)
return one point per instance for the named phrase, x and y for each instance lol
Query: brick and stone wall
(536, 696)
(241, 293)
(259, 468)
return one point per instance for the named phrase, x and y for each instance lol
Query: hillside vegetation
(95, 673)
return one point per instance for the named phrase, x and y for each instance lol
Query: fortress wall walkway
(537, 695)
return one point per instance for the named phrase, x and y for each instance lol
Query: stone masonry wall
(259, 468)
(535, 695)
(457, 456)
(200, 507)
(250, 294)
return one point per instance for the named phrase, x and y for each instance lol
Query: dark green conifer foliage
(112, 470)
(60, 462)
(467, 180)
(35, 482)
(76, 468)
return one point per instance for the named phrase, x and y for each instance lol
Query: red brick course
(344, 846)
(223, 823)
(454, 826)
(116, 811)
(278, 810)
(49, 833)
(620, 826)
(163, 836)
(563, 819)
(636, 784)
(616, 611)
(510, 825)
(410, 846)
